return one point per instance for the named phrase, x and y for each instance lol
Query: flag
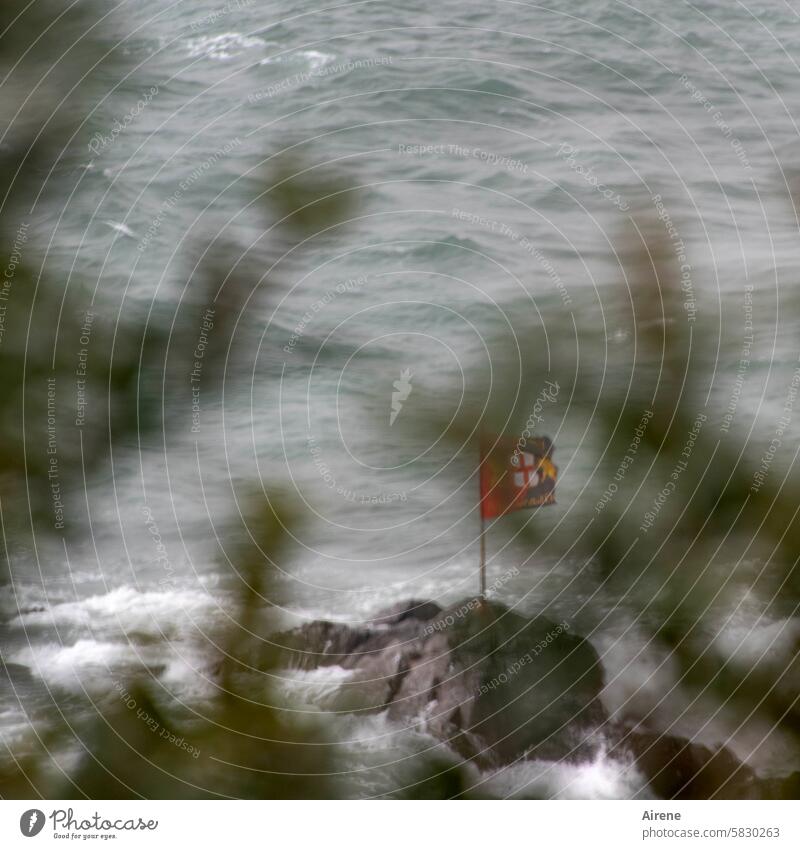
(516, 475)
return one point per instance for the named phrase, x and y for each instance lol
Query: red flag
(516, 475)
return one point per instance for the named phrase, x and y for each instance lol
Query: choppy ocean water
(495, 152)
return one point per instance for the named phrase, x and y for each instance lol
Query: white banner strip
(396, 825)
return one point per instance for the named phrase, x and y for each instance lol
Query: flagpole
(483, 522)
(483, 556)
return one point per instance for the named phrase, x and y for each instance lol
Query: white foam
(311, 688)
(315, 58)
(375, 734)
(129, 605)
(128, 611)
(637, 674)
(759, 641)
(96, 666)
(225, 46)
(312, 60)
(188, 675)
(86, 664)
(14, 728)
(110, 637)
(602, 778)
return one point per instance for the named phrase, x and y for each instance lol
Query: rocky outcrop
(496, 687)
(492, 684)
(676, 768)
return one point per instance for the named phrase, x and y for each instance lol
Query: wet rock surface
(497, 687)
(492, 684)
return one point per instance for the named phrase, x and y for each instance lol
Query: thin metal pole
(483, 557)
(483, 523)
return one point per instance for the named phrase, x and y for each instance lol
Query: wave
(128, 612)
(87, 664)
(222, 47)
(602, 778)
(312, 60)
(763, 641)
(311, 689)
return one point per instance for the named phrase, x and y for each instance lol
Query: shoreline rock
(493, 685)
(496, 688)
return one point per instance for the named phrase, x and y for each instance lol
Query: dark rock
(420, 610)
(538, 686)
(319, 643)
(679, 769)
(494, 685)
(779, 788)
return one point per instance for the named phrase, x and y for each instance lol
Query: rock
(538, 688)
(422, 611)
(779, 788)
(679, 769)
(494, 685)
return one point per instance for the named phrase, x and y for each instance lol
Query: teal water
(495, 153)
